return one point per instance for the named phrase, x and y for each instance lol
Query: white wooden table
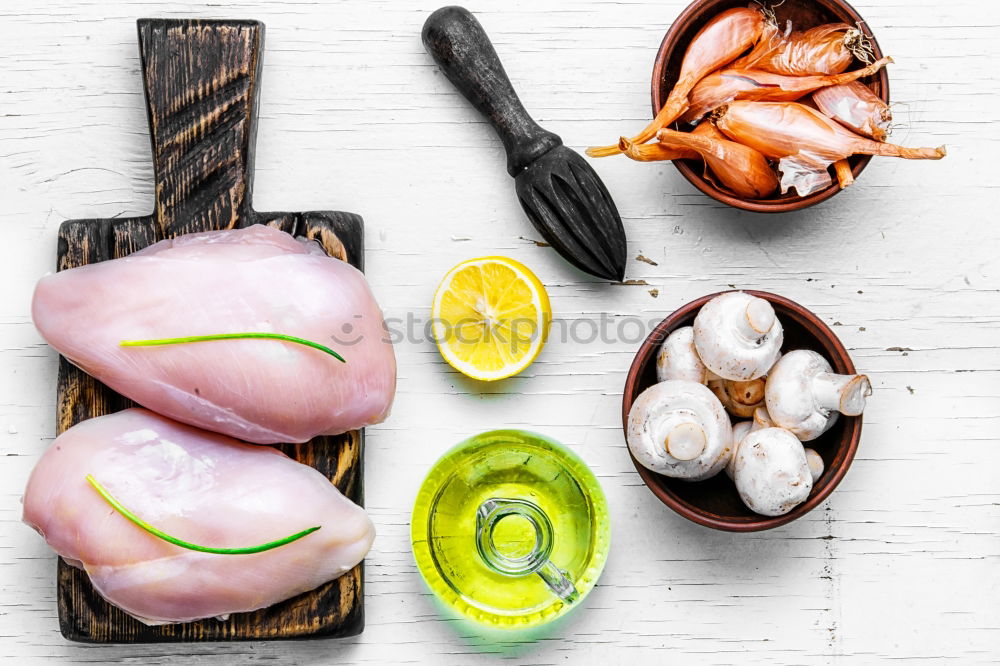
(903, 561)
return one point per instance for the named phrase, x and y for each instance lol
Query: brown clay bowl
(804, 14)
(715, 502)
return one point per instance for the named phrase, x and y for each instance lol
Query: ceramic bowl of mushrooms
(742, 411)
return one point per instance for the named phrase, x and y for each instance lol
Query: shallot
(726, 85)
(804, 140)
(739, 168)
(781, 106)
(825, 49)
(857, 108)
(659, 152)
(722, 39)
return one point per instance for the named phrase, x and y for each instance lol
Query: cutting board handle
(463, 50)
(200, 78)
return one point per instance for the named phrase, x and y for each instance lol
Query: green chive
(232, 336)
(184, 544)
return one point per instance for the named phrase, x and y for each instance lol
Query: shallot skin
(822, 50)
(659, 152)
(781, 129)
(739, 168)
(201, 487)
(726, 85)
(256, 279)
(857, 108)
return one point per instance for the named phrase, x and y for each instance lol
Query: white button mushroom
(804, 395)
(771, 472)
(740, 430)
(678, 359)
(738, 336)
(679, 429)
(739, 398)
(815, 463)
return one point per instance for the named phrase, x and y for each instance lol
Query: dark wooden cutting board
(200, 79)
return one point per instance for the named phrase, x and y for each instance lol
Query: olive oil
(510, 529)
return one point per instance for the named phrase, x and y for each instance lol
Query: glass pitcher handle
(558, 582)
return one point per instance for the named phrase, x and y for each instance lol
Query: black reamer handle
(460, 46)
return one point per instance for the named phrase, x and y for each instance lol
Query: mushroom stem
(841, 393)
(758, 319)
(686, 441)
(761, 419)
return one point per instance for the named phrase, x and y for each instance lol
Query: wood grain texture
(200, 80)
(901, 564)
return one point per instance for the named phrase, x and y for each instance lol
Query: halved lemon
(491, 316)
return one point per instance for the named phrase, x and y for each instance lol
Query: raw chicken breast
(256, 279)
(201, 487)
